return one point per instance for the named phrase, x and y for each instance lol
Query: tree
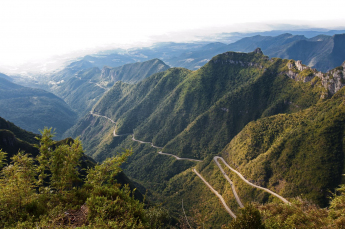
(64, 165)
(250, 218)
(17, 189)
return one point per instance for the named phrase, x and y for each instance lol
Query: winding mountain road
(207, 184)
(91, 112)
(178, 158)
(115, 135)
(142, 142)
(217, 194)
(245, 180)
(231, 183)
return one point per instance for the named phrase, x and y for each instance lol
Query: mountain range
(276, 115)
(81, 89)
(320, 50)
(33, 109)
(266, 112)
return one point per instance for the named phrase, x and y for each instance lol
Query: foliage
(17, 183)
(306, 72)
(198, 113)
(250, 217)
(283, 136)
(300, 214)
(2, 158)
(18, 132)
(294, 154)
(46, 191)
(191, 114)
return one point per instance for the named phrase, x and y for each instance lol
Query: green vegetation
(47, 191)
(282, 135)
(83, 89)
(79, 92)
(18, 132)
(33, 109)
(249, 218)
(301, 214)
(193, 114)
(306, 72)
(340, 68)
(294, 154)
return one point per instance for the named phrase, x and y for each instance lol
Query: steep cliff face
(332, 81)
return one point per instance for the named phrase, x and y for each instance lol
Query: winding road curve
(142, 142)
(207, 184)
(251, 184)
(115, 135)
(231, 183)
(217, 194)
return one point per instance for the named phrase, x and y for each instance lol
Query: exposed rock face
(332, 81)
(299, 66)
(258, 50)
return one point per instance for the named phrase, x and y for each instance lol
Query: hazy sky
(32, 30)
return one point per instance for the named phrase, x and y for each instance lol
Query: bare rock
(258, 50)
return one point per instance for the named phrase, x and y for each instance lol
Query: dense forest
(51, 190)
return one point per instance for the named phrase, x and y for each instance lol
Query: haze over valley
(172, 115)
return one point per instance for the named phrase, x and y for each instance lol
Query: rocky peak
(299, 65)
(332, 81)
(258, 50)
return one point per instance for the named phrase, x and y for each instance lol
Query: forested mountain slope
(33, 109)
(196, 114)
(83, 89)
(295, 154)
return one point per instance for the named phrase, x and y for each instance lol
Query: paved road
(219, 166)
(217, 194)
(160, 152)
(142, 142)
(231, 183)
(178, 158)
(102, 116)
(251, 184)
(115, 135)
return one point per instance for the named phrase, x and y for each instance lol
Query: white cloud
(37, 29)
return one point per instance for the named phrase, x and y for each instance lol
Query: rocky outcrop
(332, 81)
(258, 51)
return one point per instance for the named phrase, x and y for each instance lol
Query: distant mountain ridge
(132, 73)
(33, 109)
(321, 52)
(85, 87)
